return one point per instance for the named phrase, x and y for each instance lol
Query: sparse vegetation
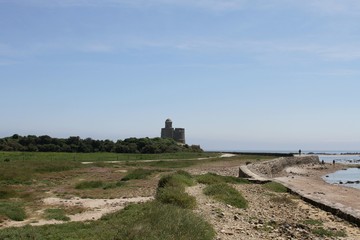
(322, 232)
(275, 187)
(314, 222)
(227, 194)
(282, 199)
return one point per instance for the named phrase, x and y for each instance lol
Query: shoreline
(305, 180)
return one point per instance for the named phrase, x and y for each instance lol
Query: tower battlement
(178, 134)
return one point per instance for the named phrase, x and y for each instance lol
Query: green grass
(166, 164)
(12, 210)
(56, 213)
(212, 178)
(176, 197)
(95, 157)
(149, 221)
(171, 190)
(275, 187)
(161, 221)
(226, 194)
(320, 231)
(179, 179)
(138, 173)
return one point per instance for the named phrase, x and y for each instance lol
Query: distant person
(299, 152)
(334, 162)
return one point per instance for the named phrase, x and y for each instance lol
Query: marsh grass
(12, 210)
(171, 190)
(56, 213)
(226, 194)
(149, 221)
(160, 221)
(95, 157)
(212, 178)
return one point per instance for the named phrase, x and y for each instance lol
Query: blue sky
(237, 74)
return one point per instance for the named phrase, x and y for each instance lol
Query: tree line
(45, 143)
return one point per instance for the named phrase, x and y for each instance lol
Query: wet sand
(306, 180)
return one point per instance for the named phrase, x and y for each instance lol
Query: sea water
(343, 177)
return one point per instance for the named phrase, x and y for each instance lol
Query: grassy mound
(227, 194)
(159, 221)
(171, 190)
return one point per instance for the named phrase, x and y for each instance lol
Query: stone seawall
(273, 167)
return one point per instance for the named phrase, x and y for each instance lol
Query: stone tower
(178, 134)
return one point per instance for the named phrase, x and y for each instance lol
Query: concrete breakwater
(272, 168)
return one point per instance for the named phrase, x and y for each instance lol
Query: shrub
(227, 194)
